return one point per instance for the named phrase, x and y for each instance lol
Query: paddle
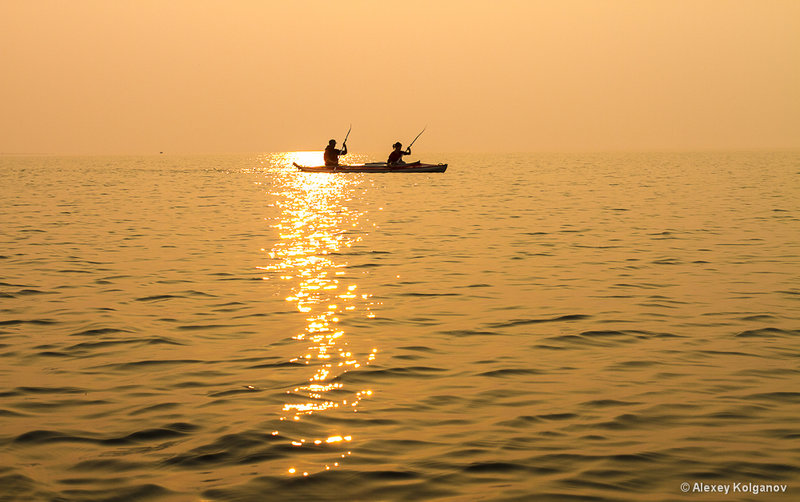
(346, 136)
(415, 139)
(344, 143)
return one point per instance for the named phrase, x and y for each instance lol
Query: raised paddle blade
(347, 135)
(418, 135)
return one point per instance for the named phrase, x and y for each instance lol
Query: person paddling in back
(396, 157)
(332, 153)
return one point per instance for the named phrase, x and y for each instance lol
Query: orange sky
(141, 76)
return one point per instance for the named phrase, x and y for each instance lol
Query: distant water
(521, 327)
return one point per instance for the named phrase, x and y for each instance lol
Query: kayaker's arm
(344, 149)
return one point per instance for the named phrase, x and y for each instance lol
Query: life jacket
(331, 156)
(395, 156)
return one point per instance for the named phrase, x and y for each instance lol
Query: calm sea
(521, 327)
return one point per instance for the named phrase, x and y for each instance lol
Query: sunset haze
(254, 76)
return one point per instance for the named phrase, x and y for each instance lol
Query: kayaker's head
(332, 142)
(398, 145)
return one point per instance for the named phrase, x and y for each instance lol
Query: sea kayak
(376, 167)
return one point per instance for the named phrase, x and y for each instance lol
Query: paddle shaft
(344, 143)
(347, 135)
(418, 135)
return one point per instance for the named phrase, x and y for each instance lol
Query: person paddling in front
(332, 153)
(396, 157)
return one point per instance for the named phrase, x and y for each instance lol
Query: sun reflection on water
(315, 230)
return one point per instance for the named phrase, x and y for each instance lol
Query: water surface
(521, 327)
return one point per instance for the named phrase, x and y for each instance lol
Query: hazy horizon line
(429, 152)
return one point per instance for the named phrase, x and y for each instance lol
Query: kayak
(376, 167)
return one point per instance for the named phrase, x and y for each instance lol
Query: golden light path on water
(315, 227)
